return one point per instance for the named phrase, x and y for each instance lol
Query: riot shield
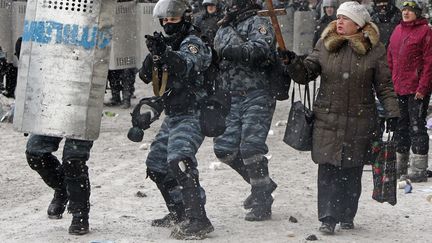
(123, 47)
(6, 29)
(63, 67)
(304, 28)
(146, 26)
(286, 23)
(18, 14)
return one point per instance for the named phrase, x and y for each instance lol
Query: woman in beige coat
(353, 68)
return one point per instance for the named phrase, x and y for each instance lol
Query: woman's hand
(419, 96)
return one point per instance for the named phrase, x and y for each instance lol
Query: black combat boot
(126, 103)
(80, 224)
(115, 99)
(175, 216)
(196, 224)
(249, 201)
(78, 189)
(167, 186)
(262, 187)
(261, 206)
(58, 204)
(51, 171)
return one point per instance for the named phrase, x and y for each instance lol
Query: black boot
(11, 81)
(80, 224)
(261, 206)
(347, 225)
(58, 204)
(193, 229)
(328, 225)
(78, 189)
(262, 186)
(115, 99)
(126, 103)
(197, 225)
(249, 201)
(167, 184)
(51, 171)
(175, 216)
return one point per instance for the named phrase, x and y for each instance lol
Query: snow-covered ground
(117, 173)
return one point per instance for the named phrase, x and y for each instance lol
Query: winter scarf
(361, 42)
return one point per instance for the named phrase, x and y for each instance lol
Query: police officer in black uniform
(207, 19)
(180, 58)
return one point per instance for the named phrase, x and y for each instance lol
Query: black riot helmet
(238, 5)
(382, 6)
(173, 8)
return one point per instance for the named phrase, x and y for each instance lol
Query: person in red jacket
(409, 56)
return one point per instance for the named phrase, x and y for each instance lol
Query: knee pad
(42, 161)
(184, 170)
(162, 179)
(74, 168)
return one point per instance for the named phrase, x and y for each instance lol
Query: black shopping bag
(384, 171)
(298, 132)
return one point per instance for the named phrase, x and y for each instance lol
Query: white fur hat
(355, 11)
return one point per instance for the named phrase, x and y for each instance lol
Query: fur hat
(355, 11)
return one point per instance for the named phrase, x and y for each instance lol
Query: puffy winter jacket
(409, 56)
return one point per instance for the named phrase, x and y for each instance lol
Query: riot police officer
(180, 58)
(121, 81)
(329, 7)
(207, 19)
(244, 43)
(386, 16)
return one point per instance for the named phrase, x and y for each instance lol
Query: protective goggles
(410, 4)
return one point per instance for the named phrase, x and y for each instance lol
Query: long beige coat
(353, 69)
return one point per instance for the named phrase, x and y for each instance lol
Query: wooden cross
(273, 13)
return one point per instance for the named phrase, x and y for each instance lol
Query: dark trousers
(339, 191)
(11, 74)
(69, 177)
(122, 80)
(411, 131)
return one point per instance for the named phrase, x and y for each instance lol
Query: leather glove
(286, 55)
(156, 43)
(391, 124)
(145, 73)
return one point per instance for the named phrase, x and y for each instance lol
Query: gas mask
(145, 113)
(173, 28)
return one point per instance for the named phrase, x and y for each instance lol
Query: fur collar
(360, 42)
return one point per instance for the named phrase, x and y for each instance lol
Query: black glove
(391, 124)
(235, 53)
(286, 55)
(156, 43)
(176, 65)
(145, 72)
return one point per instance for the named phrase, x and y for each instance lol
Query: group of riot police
(241, 40)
